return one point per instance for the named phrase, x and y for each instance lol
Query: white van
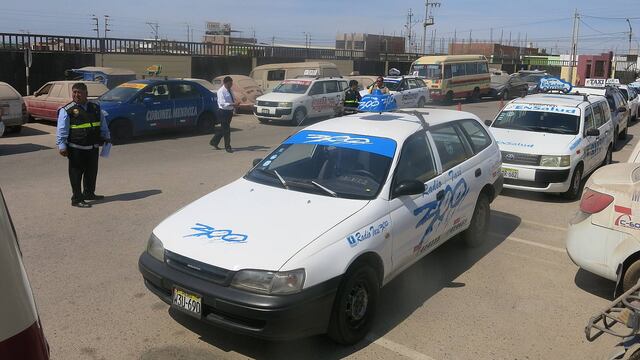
(270, 75)
(21, 335)
(551, 142)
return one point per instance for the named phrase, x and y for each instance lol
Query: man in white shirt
(226, 104)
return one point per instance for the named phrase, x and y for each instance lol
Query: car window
(45, 89)
(420, 83)
(448, 72)
(317, 88)
(331, 87)
(56, 90)
(184, 91)
(95, 90)
(343, 85)
(416, 160)
(589, 121)
(275, 75)
(476, 135)
(158, 92)
(604, 106)
(458, 69)
(598, 115)
(412, 84)
(450, 146)
(483, 68)
(7, 92)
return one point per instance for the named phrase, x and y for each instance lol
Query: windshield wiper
(325, 189)
(275, 174)
(284, 183)
(551, 130)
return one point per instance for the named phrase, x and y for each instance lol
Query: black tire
(505, 95)
(421, 102)
(615, 139)
(477, 231)
(121, 131)
(205, 124)
(299, 116)
(631, 276)
(355, 306)
(475, 95)
(448, 98)
(608, 158)
(623, 134)
(14, 129)
(576, 183)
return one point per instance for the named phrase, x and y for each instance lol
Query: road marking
(398, 348)
(535, 223)
(527, 242)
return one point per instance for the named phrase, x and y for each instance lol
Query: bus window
(471, 68)
(430, 71)
(483, 68)
(458, 70)
(447, 71)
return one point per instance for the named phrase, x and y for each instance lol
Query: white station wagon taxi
(551, 142)
(303, 242)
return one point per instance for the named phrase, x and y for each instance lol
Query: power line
(154, 28)
(97, 25)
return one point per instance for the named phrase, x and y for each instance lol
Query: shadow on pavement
(26, 131)
(252, 148)
(538, 196)
(624, 143)
(594, 284)
(131, 196)
(398, 300)
(13, 149)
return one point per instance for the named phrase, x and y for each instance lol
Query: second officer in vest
(81, 130)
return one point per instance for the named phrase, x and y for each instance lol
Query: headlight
(555, 161)
(269, 282)
(155, 248)
(285, 104)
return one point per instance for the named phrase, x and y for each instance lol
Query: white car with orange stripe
(604, 236)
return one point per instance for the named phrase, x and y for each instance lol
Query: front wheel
(355, 306)
(479, 227)
(299, 116)
(205, 124)
(574, 188)
(631, 276)
(608, 159)
(623, 134)
(121, 131)
(475, 95)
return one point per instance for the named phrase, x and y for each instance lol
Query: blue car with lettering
(142, 106)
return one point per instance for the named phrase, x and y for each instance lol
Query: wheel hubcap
(357, 303)
(576, 181)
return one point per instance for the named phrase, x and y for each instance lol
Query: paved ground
(517, 297)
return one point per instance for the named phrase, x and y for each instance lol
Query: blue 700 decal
(202, 230)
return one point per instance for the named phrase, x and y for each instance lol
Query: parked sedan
(505, 87)
(46, 101)
(633, 100)
(12, 109)
(604, 236)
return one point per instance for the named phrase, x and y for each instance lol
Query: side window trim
(435, 159)
(467, 136)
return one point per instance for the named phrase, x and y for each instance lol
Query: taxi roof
(396, 125)
(572, 100)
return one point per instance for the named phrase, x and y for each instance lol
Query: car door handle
(440, 195)
(478, 172)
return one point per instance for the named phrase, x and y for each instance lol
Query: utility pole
(428, 21)
(106, 25)
(491, 36)
(96, 24)
(307, 39)
(574, 43)
(501, 34)
(154, 28)
(188, 32)
(408, 26)
(630, 35)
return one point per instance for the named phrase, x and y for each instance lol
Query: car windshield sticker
(133, 85)
(511, 143)
(202, 230)
(376, 145)
(297, 82)
(543, 108)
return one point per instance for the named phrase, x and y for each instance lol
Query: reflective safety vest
(351, 98)
(84, 125)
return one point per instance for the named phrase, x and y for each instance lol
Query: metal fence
(56, 43)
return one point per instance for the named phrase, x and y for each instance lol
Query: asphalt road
(517, 297)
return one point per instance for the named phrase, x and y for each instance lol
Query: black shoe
(80, 204)
(229, 150)
(94, 197)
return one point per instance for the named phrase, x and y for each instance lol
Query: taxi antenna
(420, 116)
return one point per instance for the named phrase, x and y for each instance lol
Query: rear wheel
(475, 95)
(355, 306)
(615, 138)
(479, 227)
(448, 99)
(623, 134)
(631, 276)
(608, 159)
(121, 131)
(574, 188)
(421, 102)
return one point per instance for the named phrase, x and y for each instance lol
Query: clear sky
(546, 23)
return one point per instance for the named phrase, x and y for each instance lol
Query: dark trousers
(83, 170)
(224, 130)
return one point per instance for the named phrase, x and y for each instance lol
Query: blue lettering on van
(217, 234)
(575, 143)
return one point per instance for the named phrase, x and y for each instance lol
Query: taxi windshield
(120, 94)
(330, 164)
(427, 71)
(392, 85)
(292, 87)
(538, 121)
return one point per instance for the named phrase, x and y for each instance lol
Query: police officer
(352, 97)
(81, 130)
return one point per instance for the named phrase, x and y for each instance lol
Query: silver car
(12, 109)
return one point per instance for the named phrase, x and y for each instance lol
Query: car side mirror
(593, 132)
(36, 93)
(256, 161)
(488, 122)
(408, 187)
(622, 109)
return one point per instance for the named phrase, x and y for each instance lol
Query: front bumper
(539, 180)
(273, 113)
(274, 317)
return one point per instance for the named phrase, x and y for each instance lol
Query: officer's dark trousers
(83, 168)
(225, 117)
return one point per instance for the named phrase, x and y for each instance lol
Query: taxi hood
(249, 225)
(530, 142)
(280, 97)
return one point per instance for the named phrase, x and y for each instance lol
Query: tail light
(593, 202)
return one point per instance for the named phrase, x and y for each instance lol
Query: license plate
(187, 302)
(265, 111)
(510, 173)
